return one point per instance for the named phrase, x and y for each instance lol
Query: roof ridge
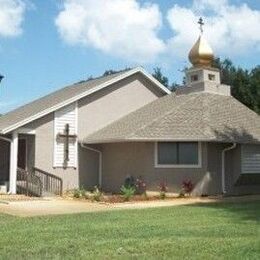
(73, 85)
(65, 96)
(130, 114)
(101, 77)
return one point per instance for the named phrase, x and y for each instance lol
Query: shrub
(187, 187)
(127, 192)
(162, 190)
(129, 181)
(97, 194)
(140, 186)
(78, 193)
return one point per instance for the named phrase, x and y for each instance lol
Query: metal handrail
(50, 182)
(28, 183)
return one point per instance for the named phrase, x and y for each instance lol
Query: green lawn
(215, 231)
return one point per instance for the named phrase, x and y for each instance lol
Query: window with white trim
(177, 154)
(66, 116)
(250, 159)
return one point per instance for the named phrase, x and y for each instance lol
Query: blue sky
(46, 45)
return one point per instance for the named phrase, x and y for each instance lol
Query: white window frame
(75, 166)
(178, 166)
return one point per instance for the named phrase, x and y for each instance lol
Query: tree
(157, 73)
(245, 84)
(255, 87)
(111, 72)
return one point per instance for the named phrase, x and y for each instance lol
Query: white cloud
(231, 30)
(122, 28)
(11, 17)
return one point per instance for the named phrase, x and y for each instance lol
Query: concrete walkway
(62, 206)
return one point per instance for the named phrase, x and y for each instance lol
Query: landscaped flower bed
(118, 198)
(132, 190)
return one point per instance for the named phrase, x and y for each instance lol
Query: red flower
(163, 187)
(187, 186)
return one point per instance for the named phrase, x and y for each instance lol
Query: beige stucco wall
(233, 177)
(94, 112)
(44, 143)
(106, 106)
(88, 168)
(137, 159)
(237, 182)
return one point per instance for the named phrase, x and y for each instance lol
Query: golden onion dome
(201, 53)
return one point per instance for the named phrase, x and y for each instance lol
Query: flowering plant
(187, 187)
(140, 186)
(162, 190)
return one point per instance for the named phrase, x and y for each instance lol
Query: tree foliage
(245, 84)
(111, 72)
(157, 73)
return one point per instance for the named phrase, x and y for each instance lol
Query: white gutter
(6, 139)
(223, 165)
(100, 161)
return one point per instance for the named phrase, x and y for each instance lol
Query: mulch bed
(120, 199)
(117, 198)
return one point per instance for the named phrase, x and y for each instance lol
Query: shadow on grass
(244, 210)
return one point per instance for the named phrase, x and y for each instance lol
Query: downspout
(223, 166)
(9, 141)
(100, 161)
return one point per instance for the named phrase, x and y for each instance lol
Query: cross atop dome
(202, 77)
(201, 53)
(201, 23)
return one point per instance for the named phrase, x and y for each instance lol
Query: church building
(101, 131)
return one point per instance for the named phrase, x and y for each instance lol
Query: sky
(48, 44)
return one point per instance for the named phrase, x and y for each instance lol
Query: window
(211, 77)
(177, 154)
(194, 78)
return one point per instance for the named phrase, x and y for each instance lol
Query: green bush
(76, 193)
(79, 193)
(127, 192)
(97, 194)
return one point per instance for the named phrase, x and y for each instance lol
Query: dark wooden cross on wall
(67, 137)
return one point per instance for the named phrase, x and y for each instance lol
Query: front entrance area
(25, 157)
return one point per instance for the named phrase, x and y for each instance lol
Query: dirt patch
(5, 198)
(57, 206)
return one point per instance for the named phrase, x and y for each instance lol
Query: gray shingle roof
(197, 117)
(62, 97)
(50, 100)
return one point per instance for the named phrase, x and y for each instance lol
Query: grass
(212, 231)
